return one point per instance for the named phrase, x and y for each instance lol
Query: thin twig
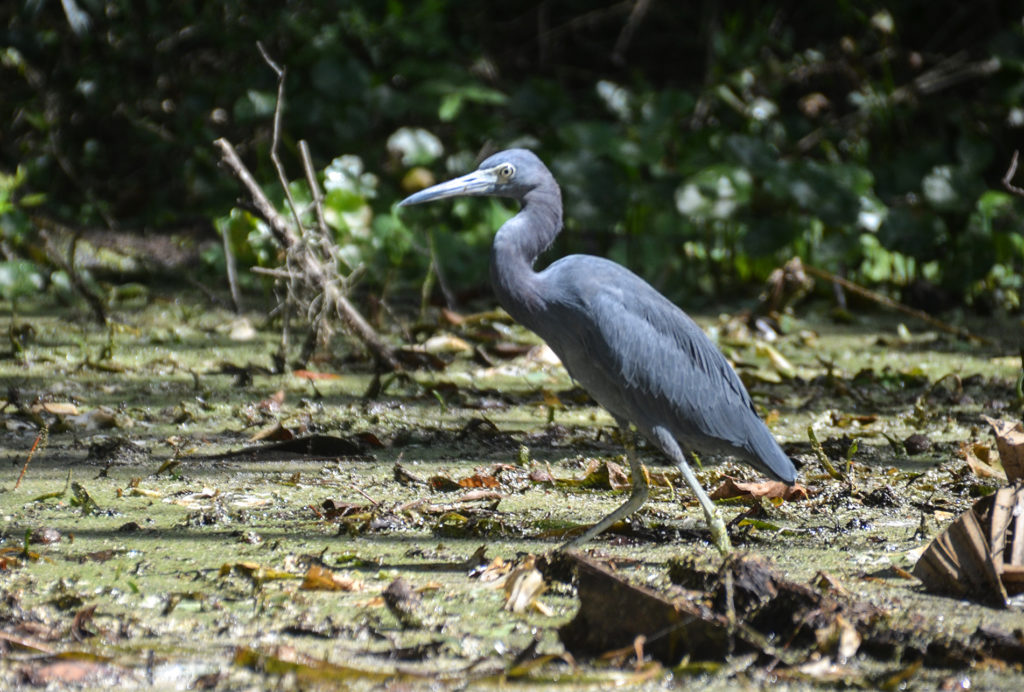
(314, 186)
(1010, 172)
(232, 270)
(318, 204)
(636, 15)
(363, 492)
(40, 442)
(282, 177)
(271, 271)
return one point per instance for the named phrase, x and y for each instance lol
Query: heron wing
(637, 352)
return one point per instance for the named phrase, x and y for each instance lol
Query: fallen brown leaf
(1010, 442)
(522, 586)
(274, 432)
(310, 375)
(829, 583)
(840, 638)
(479, 480)
(443, 484)
(57, 408)
(254, 571)
(732, 488)
(980, 556)
(82, 618)
(979, 459)
(319, 579)
(497, 569)
(604, 475)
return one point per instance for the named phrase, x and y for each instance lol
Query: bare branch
(636, 15)
(284, 233)
(270, 61)
(314, 186)
(310, 275)
(282, 177)
(1010, 172)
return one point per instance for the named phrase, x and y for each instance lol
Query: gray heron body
(635, 352)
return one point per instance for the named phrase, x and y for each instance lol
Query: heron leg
(719, 534)
(637, 496)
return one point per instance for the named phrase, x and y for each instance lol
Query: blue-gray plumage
(636, 353)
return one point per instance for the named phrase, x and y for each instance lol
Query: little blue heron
(636, 353)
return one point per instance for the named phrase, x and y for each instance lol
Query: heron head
(510, 173)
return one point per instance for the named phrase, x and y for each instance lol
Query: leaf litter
(254, 564)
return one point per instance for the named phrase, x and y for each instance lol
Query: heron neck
(516, 247)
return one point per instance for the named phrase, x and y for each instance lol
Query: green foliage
(362, 238)
(20, 278)
(714, 143)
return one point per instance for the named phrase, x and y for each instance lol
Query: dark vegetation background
(702, 143)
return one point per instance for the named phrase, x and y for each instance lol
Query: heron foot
(719, 534)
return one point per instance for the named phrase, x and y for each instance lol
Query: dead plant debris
(748, 608)
(980, 556)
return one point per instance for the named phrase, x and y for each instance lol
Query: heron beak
(477, 183)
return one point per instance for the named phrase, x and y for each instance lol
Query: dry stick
(314, 186)
(229, 263)
(318, 206)
(43, 436)
(1010, 172)
(312, 269)
(636, 16)
(276, 138)
(270, 271)
(890, 303)
(278, 226)
(290, 239)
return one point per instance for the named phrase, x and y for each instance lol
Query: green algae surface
(151, 539)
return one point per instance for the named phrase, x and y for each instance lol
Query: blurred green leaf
(415, 146)
(19, 278)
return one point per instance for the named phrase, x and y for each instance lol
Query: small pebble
(917, 444)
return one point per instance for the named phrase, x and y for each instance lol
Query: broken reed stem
(819, 453)
(41, 439)
(899, 307)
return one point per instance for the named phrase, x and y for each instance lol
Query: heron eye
(507, 171)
